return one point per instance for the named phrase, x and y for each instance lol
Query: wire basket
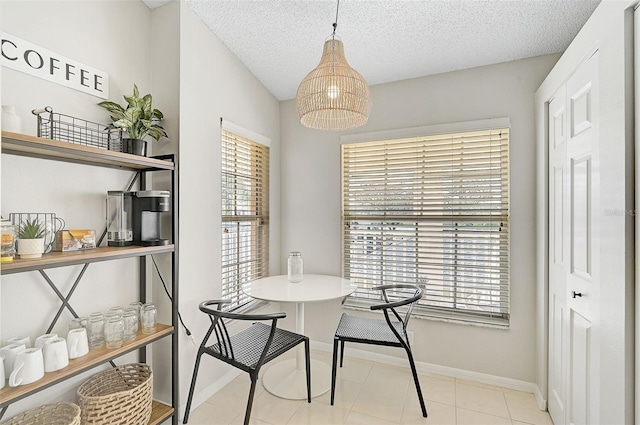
(118, 396)
(48, 414)
(57, 126)
(49, 223)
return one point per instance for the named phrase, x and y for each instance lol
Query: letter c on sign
(4, 54)
(27, 54)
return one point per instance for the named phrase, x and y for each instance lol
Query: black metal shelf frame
(14, 144)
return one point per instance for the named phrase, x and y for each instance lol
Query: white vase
(10, 120)
(30, 248)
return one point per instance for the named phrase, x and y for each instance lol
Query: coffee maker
(148, 206)
(134, 218)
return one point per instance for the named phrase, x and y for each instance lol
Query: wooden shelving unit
(61, 259)
(37, 147)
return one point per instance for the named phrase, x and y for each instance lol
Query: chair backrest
(411, 294)
(219, 327)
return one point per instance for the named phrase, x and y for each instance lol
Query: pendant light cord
(335, 24)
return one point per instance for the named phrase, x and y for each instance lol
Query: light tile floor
(370, 393)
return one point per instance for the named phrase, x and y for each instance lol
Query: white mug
(2, 377)
(77, 343)
(9, 353)
(42, 339)
(29, 367)
(55, 355)
(21, 340)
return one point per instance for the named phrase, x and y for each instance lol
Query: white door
(573, 222)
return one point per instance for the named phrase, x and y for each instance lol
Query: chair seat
(249, 344)
(355, 329)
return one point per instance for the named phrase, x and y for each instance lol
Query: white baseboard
(513, 384)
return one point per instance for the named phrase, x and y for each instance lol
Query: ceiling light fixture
(333, 96)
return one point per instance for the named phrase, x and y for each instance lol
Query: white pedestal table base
(285, 380)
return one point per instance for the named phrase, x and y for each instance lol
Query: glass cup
(114, 331)
(114, 310)
(148, 318)
(137, 305)
(130, 318)
(95, 330)
(78, 322)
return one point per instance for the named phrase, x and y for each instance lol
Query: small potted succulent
(138, 119)
(30, 239)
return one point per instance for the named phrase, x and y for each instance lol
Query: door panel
(573, 278)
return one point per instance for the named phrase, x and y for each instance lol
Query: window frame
(449, 315)
(232, 289)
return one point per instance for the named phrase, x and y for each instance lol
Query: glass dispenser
(119, 218)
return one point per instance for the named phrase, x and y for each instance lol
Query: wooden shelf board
(160, 412)
(95, 357)
(27, 145)
(62, 259)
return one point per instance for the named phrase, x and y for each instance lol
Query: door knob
(575, 294)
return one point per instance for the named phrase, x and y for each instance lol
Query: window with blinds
(245, 214)
(433, 211)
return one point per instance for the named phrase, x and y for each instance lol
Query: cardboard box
(74, 240)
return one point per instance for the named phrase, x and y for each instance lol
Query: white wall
(213, 84)
(311, 207)
(99, 34)
(609, 30)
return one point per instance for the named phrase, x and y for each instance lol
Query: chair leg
(415, 379)
(308, 364)
(254, 381)
(333, 369)
(341, 351)
(193, 386)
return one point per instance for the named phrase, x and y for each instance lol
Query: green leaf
(131, 100)
(146, 107)
(136, 93)
(157, 114)
(157, 132)
(133, 114)
(123, 123)
(111, 107)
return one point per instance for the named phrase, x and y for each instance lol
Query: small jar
(148, 318)
(8, 241)
(78, 322)
(130, 317)
(10, 120)
(114, 331)
(95, 330)
(294, 267)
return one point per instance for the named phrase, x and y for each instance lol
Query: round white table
(287, 379)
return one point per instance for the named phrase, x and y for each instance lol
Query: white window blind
(433, 211)
(245, 214)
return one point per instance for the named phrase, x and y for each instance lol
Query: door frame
(609, 30)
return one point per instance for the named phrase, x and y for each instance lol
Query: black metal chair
(248, 349)
(388, 332)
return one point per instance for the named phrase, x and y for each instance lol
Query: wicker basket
(48, 414)
(121, 395)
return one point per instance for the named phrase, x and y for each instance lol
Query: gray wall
(311, 207)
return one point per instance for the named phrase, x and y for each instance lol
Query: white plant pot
(30, 248)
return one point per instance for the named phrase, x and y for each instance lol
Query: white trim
(429, 130)
(513, 384)
(244, 132)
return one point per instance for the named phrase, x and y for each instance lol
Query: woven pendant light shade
(333, 96)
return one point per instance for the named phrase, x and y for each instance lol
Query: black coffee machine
(134, 218)
(147, 208)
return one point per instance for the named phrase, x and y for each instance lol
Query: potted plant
(30, 239)
(139, 120)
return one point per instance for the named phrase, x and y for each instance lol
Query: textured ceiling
(280, 41)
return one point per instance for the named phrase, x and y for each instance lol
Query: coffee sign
(34, 60)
